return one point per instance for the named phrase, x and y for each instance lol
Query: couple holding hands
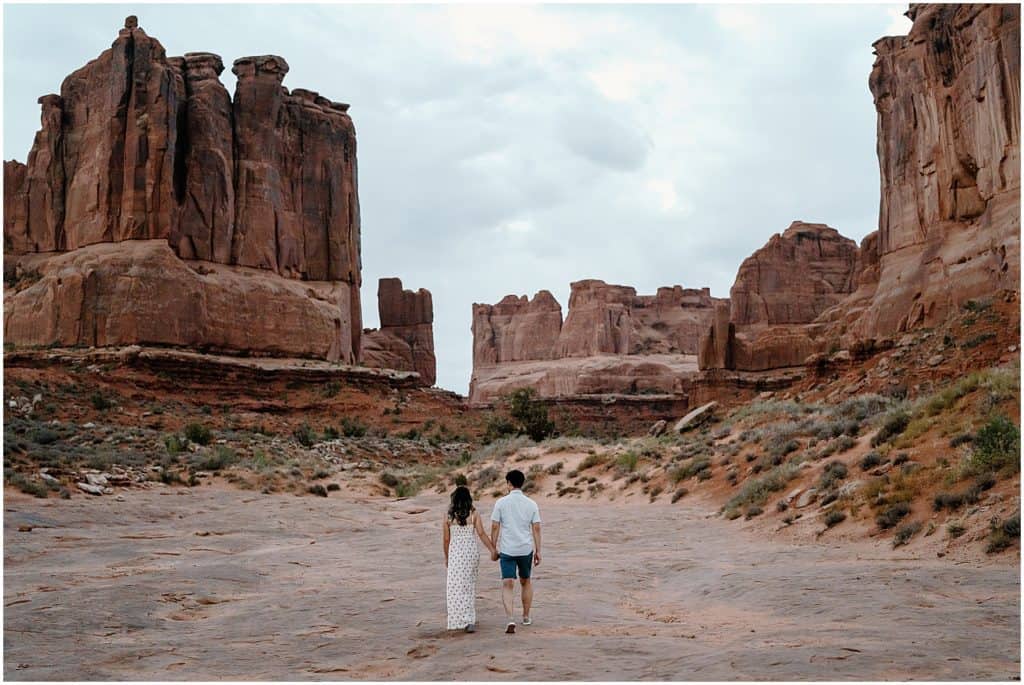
(514, 541)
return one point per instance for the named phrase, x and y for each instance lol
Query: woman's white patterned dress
(463, 567)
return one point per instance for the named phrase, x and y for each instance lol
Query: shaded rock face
(142, 146)
(948, 103)
(796, 276)
(523, 342)
(405, 340)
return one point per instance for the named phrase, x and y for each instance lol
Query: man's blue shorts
(509, 564)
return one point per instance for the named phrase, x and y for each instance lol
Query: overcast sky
(512, 149)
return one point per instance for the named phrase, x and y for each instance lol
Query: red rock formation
(948, 102)
(795, 277)
(140, 146)
(612, 341)
(140, 292)
(405, 340)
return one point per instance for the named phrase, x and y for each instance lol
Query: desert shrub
(497, 427)
(891, 515)
(977, 340)
(389, 479)
(679, 494)
(905, 532)
(901, 458)
(861, 407)
(892, 426)
(756, 490)
(99, 402)
(29, 486)
(555, 468)
(961, 439)
(317, 489)
(753, 511)
(591, 460)
(352, 428)
(218, 459)
(844, 443)
(870, 461)
(955, 529)
(1002, 534)
(996, 446)
(305, 435)
(627, 461)
(198, 433)
(829, 498)
(696, 466)
(45, 436)
(781, 449)
(532, 415)
(834, 472)
(834, 517)
(732, 514)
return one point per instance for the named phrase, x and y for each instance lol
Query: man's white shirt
(516, 513)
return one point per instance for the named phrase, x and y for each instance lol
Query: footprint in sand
(422, 651)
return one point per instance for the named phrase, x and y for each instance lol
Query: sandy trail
(214, 583)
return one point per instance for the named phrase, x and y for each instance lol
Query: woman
(462, 557)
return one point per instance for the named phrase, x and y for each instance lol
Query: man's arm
(536, 543)
(495, 529)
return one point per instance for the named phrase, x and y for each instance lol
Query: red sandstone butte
(612, 341)
(405, 340)
(948, 101)
(254, 198)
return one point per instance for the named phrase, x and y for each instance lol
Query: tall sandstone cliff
(612, 341)
(142, 147)
(948, 103)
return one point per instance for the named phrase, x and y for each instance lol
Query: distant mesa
(405, 340)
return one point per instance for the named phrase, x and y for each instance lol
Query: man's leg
(508, 596)
(527, 596)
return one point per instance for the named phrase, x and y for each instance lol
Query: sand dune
(213, 583)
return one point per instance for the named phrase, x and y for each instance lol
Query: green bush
(497, 427)
(305, 435)
(1003, 534)
(834, 517)
(891, 515)
(892, 426)
(99, 402)
(198, 433)
(532, 415)
(834, 472)
(996, 446)
(175, 443)
(693, 468)
(905, 532)
(870, 461)
(756, 490)
(352, 428)
(627, 461)
(220, 458)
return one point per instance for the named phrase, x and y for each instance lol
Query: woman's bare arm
(479, 525)
(446, 537)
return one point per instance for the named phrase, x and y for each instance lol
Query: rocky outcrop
(948, 103)
(796, 276)
(612, 341)
(141, 146)
(405, 339)
(140, 292)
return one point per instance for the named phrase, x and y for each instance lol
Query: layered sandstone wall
(141, 146)
(405, 339)
(611, 341)
(948, 103)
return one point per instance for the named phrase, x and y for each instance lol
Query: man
(515, 533)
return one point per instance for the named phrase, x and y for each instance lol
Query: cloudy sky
(508, 149)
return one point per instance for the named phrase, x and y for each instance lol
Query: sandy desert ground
(215, 583)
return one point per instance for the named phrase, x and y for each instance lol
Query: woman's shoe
(527, 621)
(511, 627)
(471, 628)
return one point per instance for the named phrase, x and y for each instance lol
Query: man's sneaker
(511, 627)
(471, 628)
(527, 621)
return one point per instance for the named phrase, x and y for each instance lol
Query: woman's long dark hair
(462, 505)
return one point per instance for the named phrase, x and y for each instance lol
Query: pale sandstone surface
(210, 583)
(599, 374)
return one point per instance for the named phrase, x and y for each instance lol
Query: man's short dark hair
(515, 478)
